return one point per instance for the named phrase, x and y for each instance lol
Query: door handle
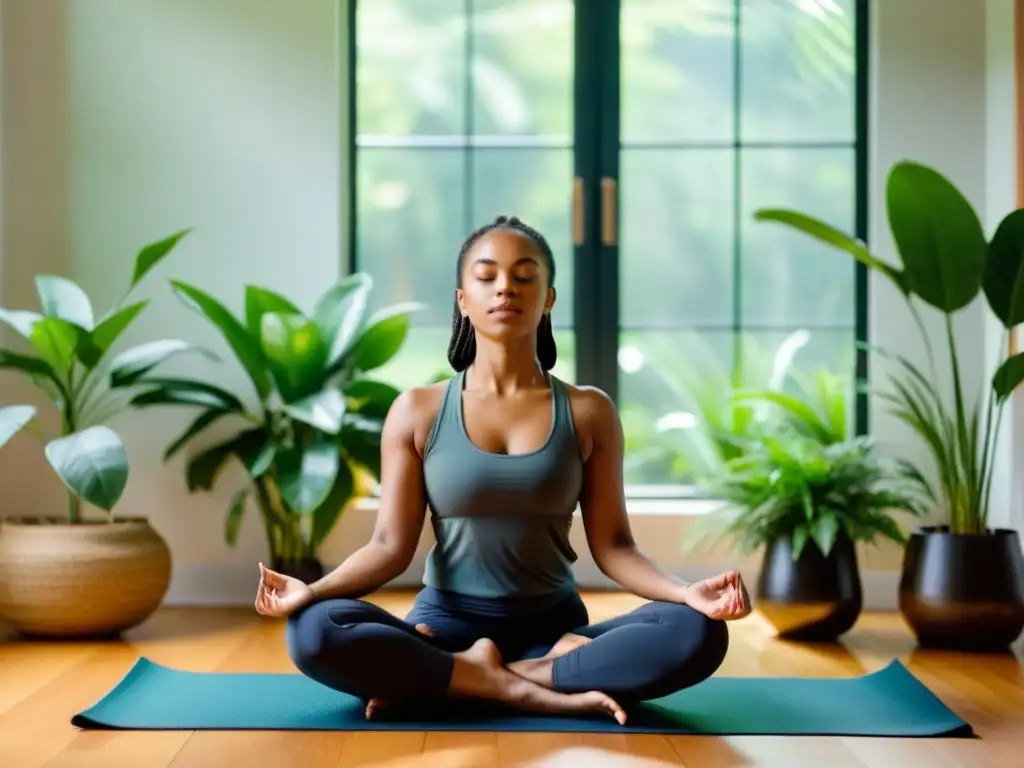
(579, 235)
(609, 212)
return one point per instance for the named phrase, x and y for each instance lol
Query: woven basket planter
(84, 580)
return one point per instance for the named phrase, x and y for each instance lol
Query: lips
(506, 308)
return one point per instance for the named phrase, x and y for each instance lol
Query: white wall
(124, 121)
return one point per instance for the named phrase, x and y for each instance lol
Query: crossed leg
(360, 649)
(653, 651)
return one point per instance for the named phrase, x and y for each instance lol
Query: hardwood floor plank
(37, 731)
(45, 683)
(264, 651)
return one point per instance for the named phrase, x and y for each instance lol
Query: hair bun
(500, 220)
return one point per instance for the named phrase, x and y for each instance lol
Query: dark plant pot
(811, 599)
(963, 592)
(306, 570)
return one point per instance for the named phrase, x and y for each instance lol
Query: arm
(400, 517)
(603, 504)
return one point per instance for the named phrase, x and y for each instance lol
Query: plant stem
(967, 463)
(929, 351)
(74, 509)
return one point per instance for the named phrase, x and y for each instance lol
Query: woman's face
(505, 285)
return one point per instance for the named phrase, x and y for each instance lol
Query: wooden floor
(43, 684)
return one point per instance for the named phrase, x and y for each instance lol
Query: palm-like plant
(69, 363)
(946, 262)
(801, 478)
(317, 421)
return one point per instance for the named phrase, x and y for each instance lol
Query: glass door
(464, 110)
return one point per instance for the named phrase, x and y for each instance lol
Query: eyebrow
(520, 260)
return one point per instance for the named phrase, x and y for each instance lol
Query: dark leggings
(360, 649)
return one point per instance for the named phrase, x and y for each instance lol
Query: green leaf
(202, 470)
(360, 439)
(259, 462)
(259, 301)
(12, 419)
(134, 363)
(236, 512)
(33, 366)
(188, 397)
(305, 476)
(371, 398)
(65, 300)
(296, 353)
(245, 346)
(339, 313)
(385, 333)
(824, 529)
(1003, 280)
(804, 414)
(110, 328)
(800, 536)
(829, 235)
(201, 422)
(56, 341)
(326, 515)
(92, 463)
(154, 253)
(1008, 376)
(21, 320)
(938, 234)
(218, 395)
(323, 410)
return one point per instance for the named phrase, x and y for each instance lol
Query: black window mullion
(586, 250)
(607, 325)
(861, 297)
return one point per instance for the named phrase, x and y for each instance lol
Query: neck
(504, 368)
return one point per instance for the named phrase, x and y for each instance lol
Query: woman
(502, 453)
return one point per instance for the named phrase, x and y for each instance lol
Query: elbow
(607, 558)
(394, 556)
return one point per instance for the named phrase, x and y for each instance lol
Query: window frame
(596, 144)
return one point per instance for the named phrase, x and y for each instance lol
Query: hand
(278, 595)
(722, 597)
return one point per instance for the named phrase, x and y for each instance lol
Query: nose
(505, 285)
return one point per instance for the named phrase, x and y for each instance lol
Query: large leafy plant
(946, 262)
(69, 362)
(802, 479)
(315, 425)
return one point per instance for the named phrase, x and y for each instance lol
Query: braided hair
(462, 347)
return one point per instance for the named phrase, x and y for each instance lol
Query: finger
(423, 629)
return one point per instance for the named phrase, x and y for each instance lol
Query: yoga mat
(889, 702)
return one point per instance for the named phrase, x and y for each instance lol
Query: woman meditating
(502, 453)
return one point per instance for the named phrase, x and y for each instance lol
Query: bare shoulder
(594, 416)
(413, 413)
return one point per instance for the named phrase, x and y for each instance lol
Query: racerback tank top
(501, 521)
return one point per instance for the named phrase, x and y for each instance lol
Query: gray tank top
(501, 521)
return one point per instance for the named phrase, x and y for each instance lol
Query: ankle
(537, 671)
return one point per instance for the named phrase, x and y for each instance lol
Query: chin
(507, 328)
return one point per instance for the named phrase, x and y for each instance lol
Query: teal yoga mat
(889, 702)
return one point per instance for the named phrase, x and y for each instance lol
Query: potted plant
(310, 440)
(805, 493)
(81, 573)
(962, 584)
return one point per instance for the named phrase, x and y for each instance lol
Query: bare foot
(478, 673)
(373, 706)
(539, 670)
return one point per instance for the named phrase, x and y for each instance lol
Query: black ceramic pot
(963, 592)
(814, 598)
(306, 570)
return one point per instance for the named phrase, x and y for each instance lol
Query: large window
(638, 136)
